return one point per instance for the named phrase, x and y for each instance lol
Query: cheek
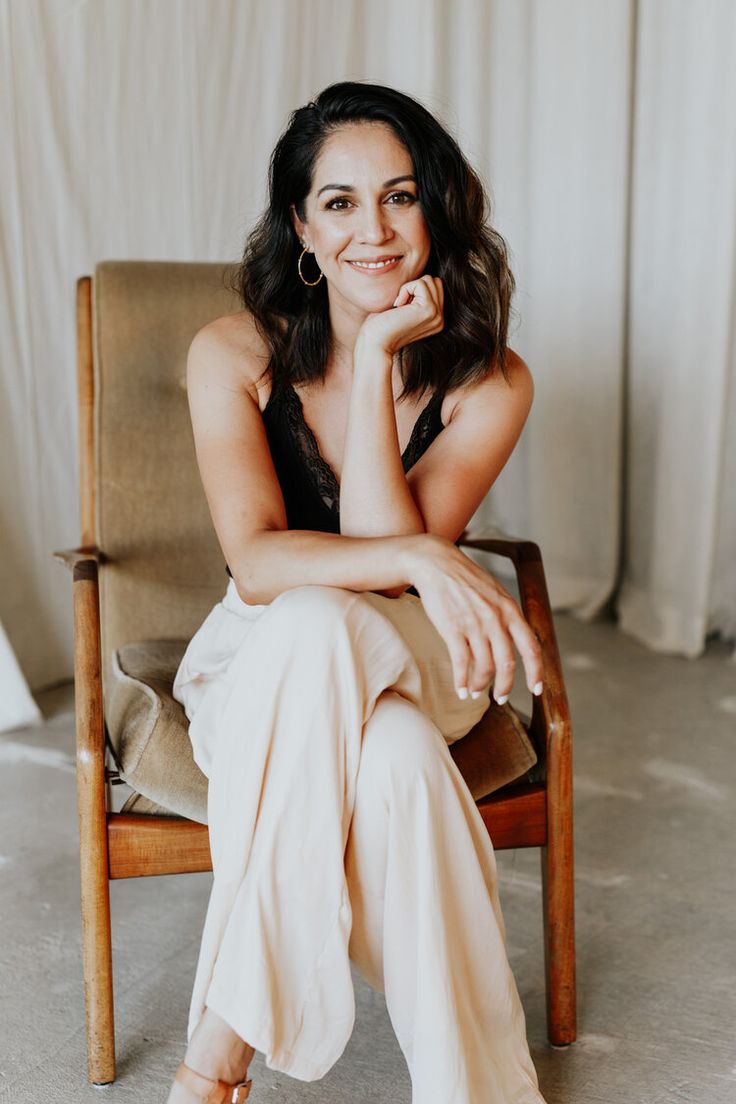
(424, 248)
(332, 239)
(420, 233)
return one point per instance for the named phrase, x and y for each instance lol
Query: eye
(330, 205)
(405, 198)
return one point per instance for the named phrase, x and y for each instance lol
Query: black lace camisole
(309, 486)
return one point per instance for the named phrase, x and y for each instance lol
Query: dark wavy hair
(466, 252)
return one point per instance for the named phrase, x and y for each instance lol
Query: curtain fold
(678, 581)
(143, 130)
(562, 180)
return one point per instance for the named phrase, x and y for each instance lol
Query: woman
(355, 641)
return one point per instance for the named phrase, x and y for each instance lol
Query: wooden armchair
(148, 571)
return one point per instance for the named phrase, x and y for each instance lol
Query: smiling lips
(376, 264)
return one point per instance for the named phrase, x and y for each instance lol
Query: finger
(423, 289)
(483, 667)
(435, 290)
(457, 646)
(421, 295)
(440, 300)
(411, 294)
(530, 651)
(403, 297)
(503, 659)
(422, 292)
(502, 610)
(433, 302)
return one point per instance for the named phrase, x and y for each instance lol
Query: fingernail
(462, 693)
(475, 693)
(504, 698)
(537, 688)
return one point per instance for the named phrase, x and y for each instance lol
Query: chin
(377, 299)
(374, 303)
(379, 305)
(365, 295)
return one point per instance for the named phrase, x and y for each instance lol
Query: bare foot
(215, 1051)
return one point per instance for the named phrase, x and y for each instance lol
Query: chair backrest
(164, 567)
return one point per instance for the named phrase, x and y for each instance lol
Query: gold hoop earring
(309, 283)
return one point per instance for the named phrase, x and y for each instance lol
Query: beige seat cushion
(148, 733)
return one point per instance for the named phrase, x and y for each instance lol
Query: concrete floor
(656, 890)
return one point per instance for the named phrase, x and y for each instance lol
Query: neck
(345, 323)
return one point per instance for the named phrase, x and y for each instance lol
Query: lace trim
(321, 474)
(319, 471)
(422, 434)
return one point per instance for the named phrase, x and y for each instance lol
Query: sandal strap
(211, 1090)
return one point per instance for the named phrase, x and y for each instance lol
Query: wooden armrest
(72, 556)
(551, 712)
(88, 701)
(516, 549)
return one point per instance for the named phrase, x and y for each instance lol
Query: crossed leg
(427, 926)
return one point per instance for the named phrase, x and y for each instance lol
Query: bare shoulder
(229, 351)
(517, 384)
(514, 391)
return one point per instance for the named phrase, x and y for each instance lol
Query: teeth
(373, 264)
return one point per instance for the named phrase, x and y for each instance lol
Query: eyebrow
(350, 188)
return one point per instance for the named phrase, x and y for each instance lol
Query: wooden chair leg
(97, 958)
(559, 939)
(96, 937)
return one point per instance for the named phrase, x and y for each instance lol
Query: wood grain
(96, 936)
(142, 846)
(551, 733)
(86, 400)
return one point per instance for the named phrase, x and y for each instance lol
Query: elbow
(248, 589)
(245, 594)
(250, 572)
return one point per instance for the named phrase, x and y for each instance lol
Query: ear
(299, 226)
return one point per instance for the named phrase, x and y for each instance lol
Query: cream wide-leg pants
(342, 830)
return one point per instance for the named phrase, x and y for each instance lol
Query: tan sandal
(211, 1091)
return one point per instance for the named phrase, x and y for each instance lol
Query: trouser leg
(427, 925)
(274, 959)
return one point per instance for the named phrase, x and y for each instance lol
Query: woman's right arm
(478, 619)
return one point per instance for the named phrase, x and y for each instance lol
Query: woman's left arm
(443, 490)
(447, 484)
(375, 500)
(450, 480)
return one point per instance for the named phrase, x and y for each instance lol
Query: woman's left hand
(416, 312)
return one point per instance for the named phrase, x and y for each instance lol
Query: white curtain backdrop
(607, 134)
(680, 570)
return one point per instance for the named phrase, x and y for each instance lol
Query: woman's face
(363, 211)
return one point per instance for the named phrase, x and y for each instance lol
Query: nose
(375, 226)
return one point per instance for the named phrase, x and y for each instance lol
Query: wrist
(412, 559)
(371, 356)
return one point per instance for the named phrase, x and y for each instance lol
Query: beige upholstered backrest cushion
(165, 568)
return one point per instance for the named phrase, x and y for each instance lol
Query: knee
(402, 747)
(313, 606)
